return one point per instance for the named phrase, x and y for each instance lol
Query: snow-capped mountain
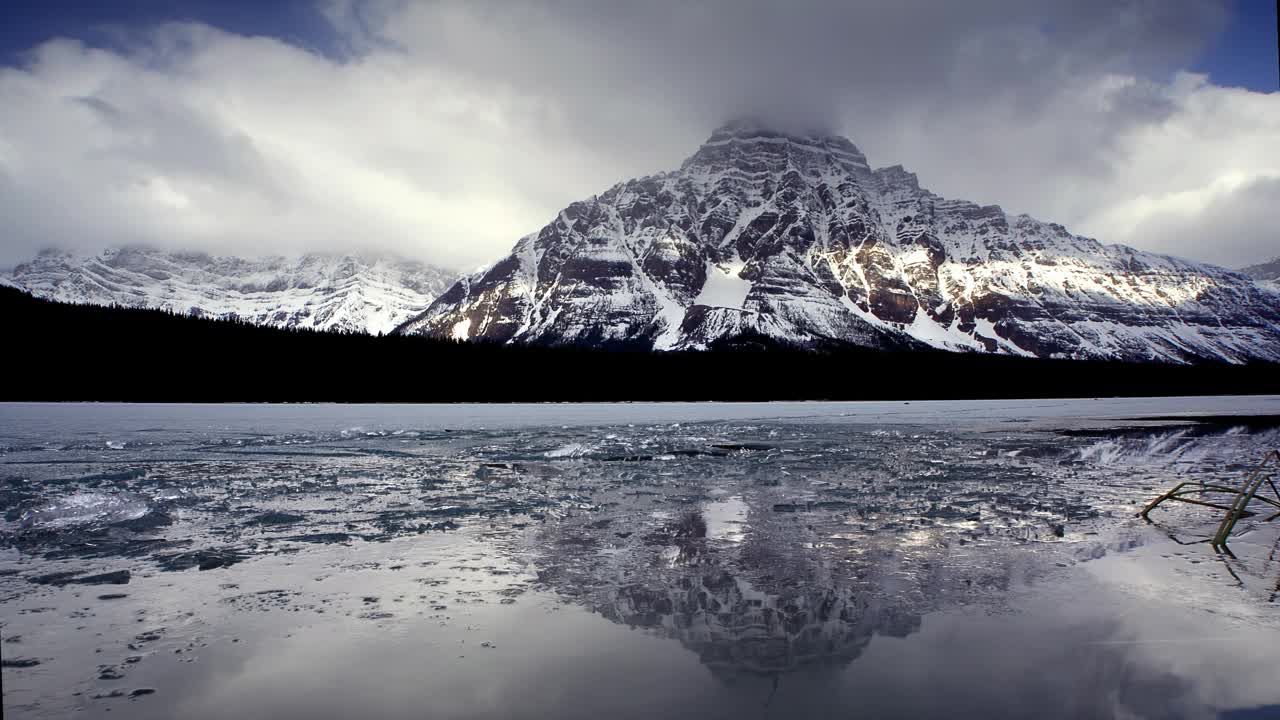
(798, 239)
(323, 292)
(1267, 273)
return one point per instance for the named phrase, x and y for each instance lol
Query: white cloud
(1154, 165)
(450, 129)
(249, 144)
(1203, 183)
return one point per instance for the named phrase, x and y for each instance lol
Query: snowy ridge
(1264, 271)
(797, 238)
(322, 292)
(1267, 273)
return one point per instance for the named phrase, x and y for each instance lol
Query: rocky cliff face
(323, 292)
(798, 240)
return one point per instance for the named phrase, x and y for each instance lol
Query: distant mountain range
(760, 237)
(795, 239)
(350, 293)
(1267, 272)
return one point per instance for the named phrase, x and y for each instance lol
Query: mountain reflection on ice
(741, 609)
(767, 549)
(791, 559)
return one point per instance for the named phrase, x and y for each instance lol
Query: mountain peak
(746, 129)
(744, 142)
(784, 234)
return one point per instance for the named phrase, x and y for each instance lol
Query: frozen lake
(637, 560)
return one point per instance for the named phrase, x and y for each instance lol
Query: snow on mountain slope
(797, 238)
(323, 292)
(1267, 273)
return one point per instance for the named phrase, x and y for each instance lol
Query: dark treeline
(78, 352)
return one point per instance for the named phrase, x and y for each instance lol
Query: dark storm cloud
(802, 63)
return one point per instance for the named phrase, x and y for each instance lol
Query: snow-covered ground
(32, 422)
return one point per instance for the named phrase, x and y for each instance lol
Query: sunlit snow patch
(462, 329)
(925, 328)
(724, 286)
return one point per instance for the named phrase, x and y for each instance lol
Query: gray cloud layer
(452, 128)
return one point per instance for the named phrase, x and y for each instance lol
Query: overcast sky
(446, 130)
